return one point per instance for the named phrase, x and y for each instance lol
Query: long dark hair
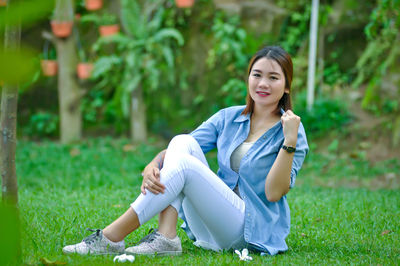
(280, 56)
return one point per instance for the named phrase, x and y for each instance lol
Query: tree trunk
(9, 211)
(138, 116)
(8, 124)
(321, 54)
(69, 95)
(8, 130)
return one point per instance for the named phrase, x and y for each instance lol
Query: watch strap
(289, 149)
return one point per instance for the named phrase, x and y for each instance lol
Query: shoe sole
(94, 254)
(164, 253)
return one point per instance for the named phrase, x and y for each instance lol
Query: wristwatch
(289, 149)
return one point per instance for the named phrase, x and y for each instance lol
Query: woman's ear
(287, 90)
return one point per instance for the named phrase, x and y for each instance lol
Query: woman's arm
(278, 179)
(151, 175)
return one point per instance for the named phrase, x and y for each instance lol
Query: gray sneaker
(96, 244)
(156, 244)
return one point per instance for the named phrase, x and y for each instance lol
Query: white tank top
(238, 154)
(236, 157)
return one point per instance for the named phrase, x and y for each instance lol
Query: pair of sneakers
(152, 244)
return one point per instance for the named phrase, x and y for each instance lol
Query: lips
(263, 93)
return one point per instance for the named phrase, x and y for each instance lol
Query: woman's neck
(265, 113)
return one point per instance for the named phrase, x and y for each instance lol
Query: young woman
(261, 148)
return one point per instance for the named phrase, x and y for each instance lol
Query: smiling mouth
(263, 93)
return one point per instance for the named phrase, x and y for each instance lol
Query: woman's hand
(151, 179)
(290, 123)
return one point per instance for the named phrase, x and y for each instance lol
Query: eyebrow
(273, 73)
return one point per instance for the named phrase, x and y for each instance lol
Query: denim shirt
(267, 223)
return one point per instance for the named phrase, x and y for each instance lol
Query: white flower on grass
(243, 255)
(124, 258)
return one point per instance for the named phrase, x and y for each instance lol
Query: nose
(263, 83)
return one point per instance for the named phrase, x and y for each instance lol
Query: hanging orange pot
(108, 30)
(184, 3)
(3, 2)
(84, 70)
(49, 67)
(93, 4)
(61, 29)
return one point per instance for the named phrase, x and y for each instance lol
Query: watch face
(291, 149)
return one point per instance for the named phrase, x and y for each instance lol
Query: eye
(256, 75)
(273, 78)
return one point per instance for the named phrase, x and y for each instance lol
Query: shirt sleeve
(299, 155)
(207, 133)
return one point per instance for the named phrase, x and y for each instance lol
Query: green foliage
(233, 92)
(144, 53)
(9, 231)
(99, 20)
(17, 66)
(25, 12)
(381, 52)
(294, 30)
(229, 48)
(42, 124)
(328, 114)
(228, 43)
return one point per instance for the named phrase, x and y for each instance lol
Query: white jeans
(214, 213)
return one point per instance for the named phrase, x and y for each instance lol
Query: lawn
(65, 189)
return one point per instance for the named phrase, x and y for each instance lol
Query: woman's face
(266, 83)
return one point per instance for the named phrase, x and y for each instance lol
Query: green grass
(62, 194)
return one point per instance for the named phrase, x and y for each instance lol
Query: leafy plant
(229, 50)
(328, 115)
(234, 92)
(42, 124)
(381, 53)
(144, 52)
(228, 43)
(99, 20)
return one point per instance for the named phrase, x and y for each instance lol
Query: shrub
(328, 114)
(42, 124)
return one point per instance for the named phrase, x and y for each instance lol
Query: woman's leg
(167, 222)
(220, 212)
(128, 222)
(220, 209)
(123, 226)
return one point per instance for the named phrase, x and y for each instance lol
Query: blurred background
(103, 85)
(170, 65)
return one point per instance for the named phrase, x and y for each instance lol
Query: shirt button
(264, 137)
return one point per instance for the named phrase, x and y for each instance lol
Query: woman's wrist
(290, 142)
(155, 163)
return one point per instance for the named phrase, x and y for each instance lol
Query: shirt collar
(243, 118)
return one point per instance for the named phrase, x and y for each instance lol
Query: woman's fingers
(151, 181)
(154, 186)
(289, 112)
(143, 189)
(290, 123)
(156, 173)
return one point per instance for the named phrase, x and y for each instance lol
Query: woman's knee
(182, 160)
(183, 139)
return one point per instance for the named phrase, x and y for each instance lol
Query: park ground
(345, 209)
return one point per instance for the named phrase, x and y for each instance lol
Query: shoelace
(93, 237)
(151, 235)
